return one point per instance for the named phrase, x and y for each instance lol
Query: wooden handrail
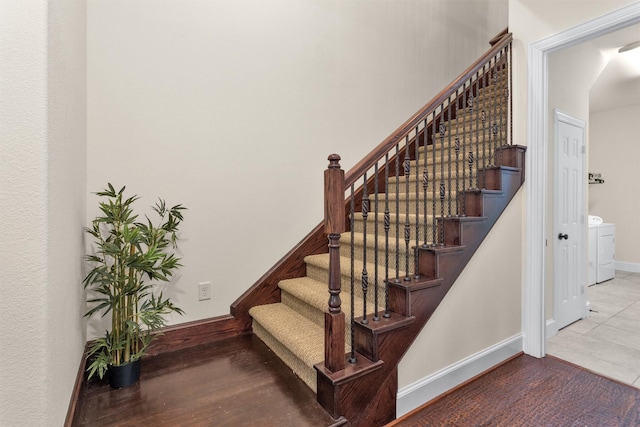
(378, 153)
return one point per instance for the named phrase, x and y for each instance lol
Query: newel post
(334, 224)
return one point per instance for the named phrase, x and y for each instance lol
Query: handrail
(379, 152)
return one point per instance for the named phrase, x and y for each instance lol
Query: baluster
(375, 246)
(475, 136)
(407, 225)
(387, 226)
(433, 187)
(365, 274)
(510, 89)
(494, 102)
(397, 161)
(417, 220)
(449, 156)
(442, 196)
(334, 321)
(425, 184)
(470, 169)
(457, 150)
(352, 354)
(464, 152)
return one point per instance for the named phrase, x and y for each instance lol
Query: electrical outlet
(204, 291)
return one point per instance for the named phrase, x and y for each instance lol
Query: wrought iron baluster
(476, 135)
(352, 354)
(407, 224)
(433, 175)
(376, 282)
(387, 226)
(457, 151)
(397, 161)
(443, 193)
(425, 185)
(464, 152)
(365, 274)
(449, 156)
(417, 219)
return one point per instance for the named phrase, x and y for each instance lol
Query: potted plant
(129, 260)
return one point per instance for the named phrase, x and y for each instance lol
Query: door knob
(563, 236)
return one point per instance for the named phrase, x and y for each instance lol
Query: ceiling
(619, 83)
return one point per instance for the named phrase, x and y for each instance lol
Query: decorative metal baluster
(433, 187)
(417, 220)
(376, 282)
(494, 101)
(457, 150)
(387, 226)
(475, 135)
(397, 161)
(443, 192)
(449, 156)
(425, 184)
(483, 118)
(352, 354)
(365, 275)
(407, 224)
(464, 152)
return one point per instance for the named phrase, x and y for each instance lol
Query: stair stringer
(370, 399)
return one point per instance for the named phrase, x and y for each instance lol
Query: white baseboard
(632, 267)
(422, 391)
(551, 328)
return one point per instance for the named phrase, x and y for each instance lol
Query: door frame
(533, 310)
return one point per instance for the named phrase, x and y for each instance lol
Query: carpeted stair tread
(301, 336)
(316, 294)
(321, 261)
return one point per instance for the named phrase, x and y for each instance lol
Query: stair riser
(317, 316)
(306, 373)
(393, 230)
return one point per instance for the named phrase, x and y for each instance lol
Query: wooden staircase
(287, 308)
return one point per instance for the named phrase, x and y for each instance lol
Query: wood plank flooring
(240, 382)
(234, 382)
(533, 392)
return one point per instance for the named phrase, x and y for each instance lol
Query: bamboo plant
(130, 258)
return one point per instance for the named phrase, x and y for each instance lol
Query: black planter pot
(124, 375)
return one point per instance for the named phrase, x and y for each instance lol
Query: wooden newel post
(334, 224)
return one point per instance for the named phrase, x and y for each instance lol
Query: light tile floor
(608, 341)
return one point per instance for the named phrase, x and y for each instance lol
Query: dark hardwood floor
(240, 382)
(235, 382)
(533, 392)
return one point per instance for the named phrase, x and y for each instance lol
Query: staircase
(416, 210)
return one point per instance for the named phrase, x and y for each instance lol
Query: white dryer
(601, 250)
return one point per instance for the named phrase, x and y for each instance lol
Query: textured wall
(23, 209)
(42, 204)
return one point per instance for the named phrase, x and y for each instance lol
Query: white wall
(614, 152)
(41, 205)
(67, 199)
(231, 108)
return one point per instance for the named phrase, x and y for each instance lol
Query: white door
(570, 263)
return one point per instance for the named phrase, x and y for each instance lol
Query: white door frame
(533, 310)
